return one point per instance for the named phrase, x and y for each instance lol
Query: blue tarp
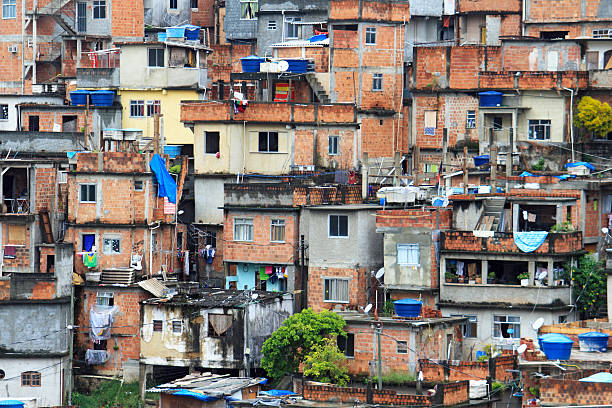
(277, 393)
(481, 160)
(166, 184)
(196, 395)
(585, 164)
(602, 377)
(529, 241)
(561, 177)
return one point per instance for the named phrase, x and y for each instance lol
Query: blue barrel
(192, 33)
(297, 66)
(161, 37)
(79, 97)
(11, 404)
(175, 32)
(593, 341)
(557, 346)
(408, 307)
(251, 63)
(172, 151)
(102, 98)
(490, 98)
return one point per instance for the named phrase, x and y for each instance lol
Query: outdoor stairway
(318, 89)
(492, 215)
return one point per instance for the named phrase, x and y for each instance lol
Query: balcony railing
(503, 243)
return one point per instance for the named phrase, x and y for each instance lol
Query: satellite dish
(283, 66)
(538, 323)
(367, 309)
(380, 273)
(605, 230)
(254, 296)
(521, 349)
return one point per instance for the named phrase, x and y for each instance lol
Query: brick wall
(560, 391)
(44, 253)
(43, 290)
(468, 370)
(466, 6)
(21, 262)
(503, 242)
(225, 59)
(316, 287)
(47, 118)
(45, 178)
(369, 10)
(5, 288)
(127, 19)
(329, 393)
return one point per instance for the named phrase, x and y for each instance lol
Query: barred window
(137, 109)
(243, 229)
(470, 119)
(277, 231)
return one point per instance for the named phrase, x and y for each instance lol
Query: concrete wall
(404, 275)
(99, 26)
(64, 266)
(512, 294)
(35, 142)
(466, 214)
(235, 27)
(209, 199)
(51, 390)
(13, 115)
(426, 8)
(98, 77)
(543, 106)
(419, 30)
(158, 13)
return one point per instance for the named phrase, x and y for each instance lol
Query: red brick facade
(469, 370)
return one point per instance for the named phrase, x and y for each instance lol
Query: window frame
(113, 238)
(343, 344)
(272, 26)
(138, 183)
(4, 112)
(409, 247)
(152, 107)
(369, 33)
(329, 226)
(98, 6)
(157, 51)
(333, 145)
(31, 379)
(137, 106)
(267, 134)
(193, 4)
(82, 236)
(244, 3)
(290, 26)
(497, 127)
(328, 292)
(158, 324)
(531, 134)
(206, 133)
(277, 223)
(470, 119)
(173, 327)
(514, 323)
(88, 198)
(377, 82)
(471, 325)
(9, 5)
(105, 295)
(403, 349)
(242, 221)
(171, 3)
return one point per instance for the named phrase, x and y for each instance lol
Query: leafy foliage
(111, 394)
(594, 115)
(590, 285)
(325, 363)
(298, 336)
(539, 166)
(396, 378)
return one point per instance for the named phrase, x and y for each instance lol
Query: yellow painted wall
(173, 129)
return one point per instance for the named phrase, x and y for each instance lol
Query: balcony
(600, 78)
(544, 80)
(512, 294)
(557, 243)
(98, 77)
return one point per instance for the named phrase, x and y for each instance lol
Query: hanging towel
(95, 356)
(90, 260)
(459, 268)
(268, 270)
(280, 272)
(100, 322)
(531, 217)
(10, 251)
(262, 274)
(529, 241)
(166, 184)
(273, 279)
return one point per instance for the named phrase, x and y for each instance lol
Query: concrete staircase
(318, 89)
(490, 220)
(53, 9)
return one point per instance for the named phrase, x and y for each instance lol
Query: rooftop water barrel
(557, 346)
(192, 32)
(490, 98)
(79, 97)
(172, 150)
(408, 307)
(102, 98)
(297, 66)
(251, 63)
(161, 36)
(11, 404)
(593, 341)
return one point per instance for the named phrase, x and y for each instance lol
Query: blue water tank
(593, 341)
(161, 36)
(175, 32)
(102, 98)
(251, 63)
(11, 404)
(192, 32)
(297, 66)
(79, 97)
(408, 307)
(557, 346)
(490, 98)
(172, 151)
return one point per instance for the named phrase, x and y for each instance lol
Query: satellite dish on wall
(538, 323)
(380, 273)
(367, 309)
(283, 66)
(521, 349)
(254, 296)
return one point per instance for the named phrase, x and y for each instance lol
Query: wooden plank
(46, 224)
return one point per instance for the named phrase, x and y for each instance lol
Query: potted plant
(491, 278)
(478, 280)
(449, 277)
(524, 278)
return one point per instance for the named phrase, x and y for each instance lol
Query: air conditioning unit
(30, 42)
(13, 48)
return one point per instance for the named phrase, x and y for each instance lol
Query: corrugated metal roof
(154, 287)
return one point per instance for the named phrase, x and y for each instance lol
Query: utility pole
(70, 328)
(378, 331)
(304, 300)
(156, 132)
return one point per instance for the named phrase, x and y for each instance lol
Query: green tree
(325, 363)
(595, 116)
(590, 285)
(286, 348)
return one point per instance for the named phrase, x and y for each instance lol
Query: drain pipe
(571, 119)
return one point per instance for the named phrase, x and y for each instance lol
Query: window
(277, 231)
(408, 254)
(99, 9)
(154, 241)
(30, 379)
(338, 226)
(333, 145)
(272, 25)
(602, 33)
(243, 229)
(539, 129)
(4, 112)
(194, 4)
(173, 4)
(16, 234)
(336, 290)
(370, 36)
(211, 142)
(62, 177)
(470, 119)
(498, 123)
(219, 324)
(268, 142)
(248, 9)
(347, 344)
(402, 347)
(87, 241)
(111, 246)
(156, 57)
(177, 326)
(377, 84)
(469, 329)
(137, 109)
(33, 123)
(88, 193)
(508, 327)
(138, 185)
(292, 30)
(100, 345)
(69, 123)
(158, 325)
(9, 8)
(105, 298)
(153, 107)
(430, 168)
